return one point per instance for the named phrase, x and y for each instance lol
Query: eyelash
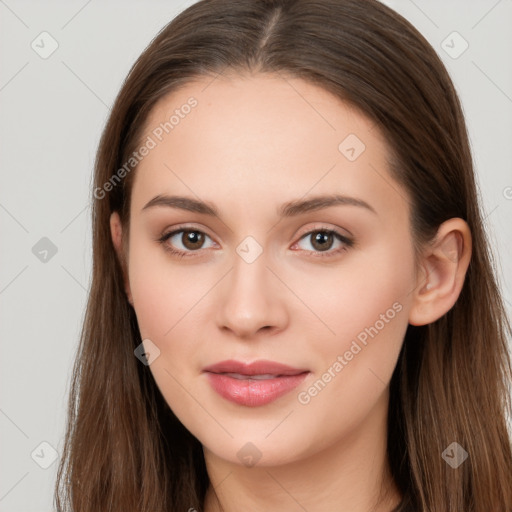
(348, 243)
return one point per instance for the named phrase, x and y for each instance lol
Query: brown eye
(322, 240)
(192, 239)
(186, 241)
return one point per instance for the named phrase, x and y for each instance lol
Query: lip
(253, 384)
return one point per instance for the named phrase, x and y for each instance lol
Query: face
(290, 248)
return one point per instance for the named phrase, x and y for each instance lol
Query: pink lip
(253, 391)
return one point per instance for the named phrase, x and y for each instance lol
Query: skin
(252, 143)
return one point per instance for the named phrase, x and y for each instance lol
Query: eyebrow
(289, 209)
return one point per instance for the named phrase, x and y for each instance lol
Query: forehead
(268, 108)
(260, 137)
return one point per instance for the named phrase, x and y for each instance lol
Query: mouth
(254, 384)
(240, 376)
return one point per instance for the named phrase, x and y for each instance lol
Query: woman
(293, 305)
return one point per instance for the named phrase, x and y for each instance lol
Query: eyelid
(184, 227)
(323, 226)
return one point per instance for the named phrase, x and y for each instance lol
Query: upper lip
(261, 367)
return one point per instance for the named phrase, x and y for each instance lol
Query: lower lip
(251, 392)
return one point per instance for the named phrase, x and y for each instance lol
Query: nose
(251, 300)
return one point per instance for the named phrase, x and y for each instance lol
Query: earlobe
(444, 269)
(116, 231)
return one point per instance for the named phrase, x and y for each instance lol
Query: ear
(116, 231)
(442, 273)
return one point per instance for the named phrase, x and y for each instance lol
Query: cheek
(367, 295)
(166, 299)
(163, 292)
(367, 310)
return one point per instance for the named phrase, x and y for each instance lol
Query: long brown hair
(124, 449)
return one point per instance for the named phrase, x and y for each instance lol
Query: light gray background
(52, 114)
